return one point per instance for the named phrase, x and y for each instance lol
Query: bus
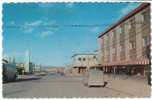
(9, 71)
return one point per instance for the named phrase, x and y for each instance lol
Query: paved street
(54, 85)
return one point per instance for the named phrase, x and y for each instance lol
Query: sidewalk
(27, 77)
(135, 86)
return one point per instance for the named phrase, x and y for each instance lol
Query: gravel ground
(51, 86)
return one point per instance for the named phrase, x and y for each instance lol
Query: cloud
(34, 27)
(46, 22)
(12, 23)
(15, 53)
(46, 5)
(94, 29)
(35, 23)
(46, 34)
(69, 5)
(29, 27)
(128, 8)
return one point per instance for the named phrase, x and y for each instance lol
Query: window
(120, 29)
(108, 39)
(133, 45)
(129, 26)
(79, 59)
(146, 16)
(146, 40)
(111, 34)
(132, 22)
(84, 59)
(114, 51)
(94, 57)
(114, 34)
(114, 38)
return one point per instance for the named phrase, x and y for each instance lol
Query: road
(54, 85)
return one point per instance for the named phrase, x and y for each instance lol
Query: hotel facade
(126, 44)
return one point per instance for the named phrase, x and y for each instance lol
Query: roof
(132, 13)
(84, 54)
(4, 60)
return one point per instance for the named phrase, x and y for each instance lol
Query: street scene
(57, 86)
(76, 50)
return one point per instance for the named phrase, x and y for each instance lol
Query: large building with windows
(126, 44)
(81, 62)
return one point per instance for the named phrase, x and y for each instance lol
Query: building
(126, 44)
(36, 68)
(31, 67)
(54, 69)
(81, 62)
(20, 68)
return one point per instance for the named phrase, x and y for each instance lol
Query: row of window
(131, 26)
(84, 59)
(128, 27)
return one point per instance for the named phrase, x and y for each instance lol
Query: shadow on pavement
(97, 86)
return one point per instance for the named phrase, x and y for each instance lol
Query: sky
(53, 32)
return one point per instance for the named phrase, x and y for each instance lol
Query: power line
(62, 25)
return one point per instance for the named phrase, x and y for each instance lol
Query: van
(95, 77)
